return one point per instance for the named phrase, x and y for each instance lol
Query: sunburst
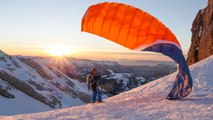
(60, 50)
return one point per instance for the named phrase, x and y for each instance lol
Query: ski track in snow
(146, 102)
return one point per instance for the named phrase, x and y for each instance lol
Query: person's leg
(94, 96)
(99, 95)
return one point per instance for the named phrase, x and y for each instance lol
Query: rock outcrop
(202, 35)
(5, 93)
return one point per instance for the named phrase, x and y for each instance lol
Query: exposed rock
(202, 35)
(5, 93)
(37, 86)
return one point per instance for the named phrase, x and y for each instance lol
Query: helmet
(93, 69)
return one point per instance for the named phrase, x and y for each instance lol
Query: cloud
(73, 10)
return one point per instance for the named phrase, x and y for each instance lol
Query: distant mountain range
(144, 62)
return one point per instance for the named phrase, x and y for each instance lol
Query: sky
(33, 28)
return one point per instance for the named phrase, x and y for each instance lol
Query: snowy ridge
(91, 63)
(146, 102)
(2, 54)
(46, 88)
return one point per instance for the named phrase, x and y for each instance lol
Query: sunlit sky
(33, 28)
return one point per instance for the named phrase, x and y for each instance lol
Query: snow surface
(146, 102)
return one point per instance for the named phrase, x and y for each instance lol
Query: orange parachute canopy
(126, 25)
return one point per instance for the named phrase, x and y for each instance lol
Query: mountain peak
(2, 54)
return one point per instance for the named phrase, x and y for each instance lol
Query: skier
(93, 82)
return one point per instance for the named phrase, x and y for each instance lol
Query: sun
(60, 50)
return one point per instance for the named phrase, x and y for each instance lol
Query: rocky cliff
(202, 35)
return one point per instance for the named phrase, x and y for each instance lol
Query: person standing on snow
(93, 82)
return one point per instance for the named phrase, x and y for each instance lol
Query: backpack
(87, 78)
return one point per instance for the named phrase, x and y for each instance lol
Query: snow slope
(145, 102)
(58, 88)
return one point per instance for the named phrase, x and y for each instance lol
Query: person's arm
(98, 78)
